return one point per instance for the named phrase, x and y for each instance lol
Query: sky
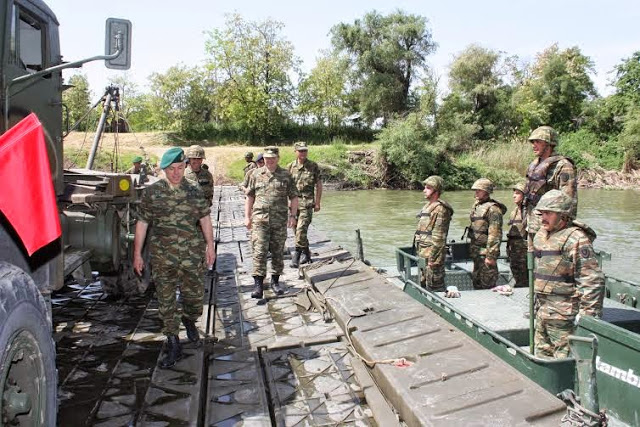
(167, 33)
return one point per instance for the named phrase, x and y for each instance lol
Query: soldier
(259, 164)
(517, 239)
(197, 173)
(568, 280)
(248, 157)
(431, 235)
(306, 174)
(137, 165)
(175, 206)
(548, 171)
(267, 212)
(486, 235)
(259, 160)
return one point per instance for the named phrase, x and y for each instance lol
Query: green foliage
(587, 150)
(77, 101)
(630, 140)
(388, 52)
(104, 161)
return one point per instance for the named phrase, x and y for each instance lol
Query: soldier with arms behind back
(517, 239)
(179, 214)
(306, 174)
(486, 235)
(431, 235)
(568, 280)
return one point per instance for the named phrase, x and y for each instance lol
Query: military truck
(92, 209)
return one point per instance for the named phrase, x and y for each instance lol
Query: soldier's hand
(489, 262)
(138, 264)
(316, 207)
(210, 255)
(292, 222)
(247, 223)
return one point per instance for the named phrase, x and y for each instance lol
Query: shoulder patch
(585, 252)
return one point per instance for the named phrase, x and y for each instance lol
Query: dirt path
(218, 158)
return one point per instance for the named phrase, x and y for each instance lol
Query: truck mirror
(118, 38)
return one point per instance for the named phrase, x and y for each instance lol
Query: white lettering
(626, 376)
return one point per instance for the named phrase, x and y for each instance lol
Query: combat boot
(192, 330)
(173, 354)
(277, 287)
(295, 259)
(306, 256)
(257, 287)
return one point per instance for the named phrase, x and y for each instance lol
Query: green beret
(172, 155)
(137, 159)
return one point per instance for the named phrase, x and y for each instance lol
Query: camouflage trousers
(169, 276)
(551, 339)
(483, 276)
(268, 236)
(304, 221)
(431, 277)
(517, 253)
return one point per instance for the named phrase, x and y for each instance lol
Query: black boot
(257, 287)
(192, 330)
(295, 259)
(173, 354)
(277, 287)
(306, 256)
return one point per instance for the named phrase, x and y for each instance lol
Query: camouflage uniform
(176, 246)
(430, 239)
(306, 176)
(486, 235)
(517, 244)
(269, 217)
(204, 178)
(568, 279)
(555, 172)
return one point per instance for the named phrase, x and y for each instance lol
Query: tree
(253, 64)
(323, 94)
(627, 80)
(77, 101)
(388, 53)
(557, 85)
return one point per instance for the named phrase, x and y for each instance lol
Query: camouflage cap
(136, 159)
(300, 146)
(546, 134)
(435, 182)
(248, 155)
(520, 186)
(271, 151)
(555, 201)
(172, 155)
(195, 152)
(483, 184)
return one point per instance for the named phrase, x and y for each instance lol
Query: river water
(387, 219)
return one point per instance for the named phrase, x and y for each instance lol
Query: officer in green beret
(267, 213)
(180, 246)
(137, 165)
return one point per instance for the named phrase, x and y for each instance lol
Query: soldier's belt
(423, 233)
(476, 218)
(540, 254)
(550, 278)
(516, 238)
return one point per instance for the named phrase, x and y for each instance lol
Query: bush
(588, 151)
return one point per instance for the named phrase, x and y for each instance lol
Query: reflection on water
(387, 219)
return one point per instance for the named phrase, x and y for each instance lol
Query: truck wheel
(28, 377)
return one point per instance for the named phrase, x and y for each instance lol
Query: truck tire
(28, 376)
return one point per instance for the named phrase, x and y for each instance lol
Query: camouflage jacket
(486, 226)
(567, 276)
(554, 173)
(433, 228)
(516, 225)
(249, 166)
(204, 178)
(272, 192)
(174, 215)
(306, 176)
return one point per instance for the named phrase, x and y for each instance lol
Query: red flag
(27, 197)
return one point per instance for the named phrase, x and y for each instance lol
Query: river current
(387, 219)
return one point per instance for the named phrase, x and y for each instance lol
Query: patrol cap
(300, 146)
(195, 152)
(555, 201)
(546, 134)
(271, 151)
(483, 184)
(248, 155)
(136, 159)
(435, 182)
(260, 157)
(172, 155)
(519, 186)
